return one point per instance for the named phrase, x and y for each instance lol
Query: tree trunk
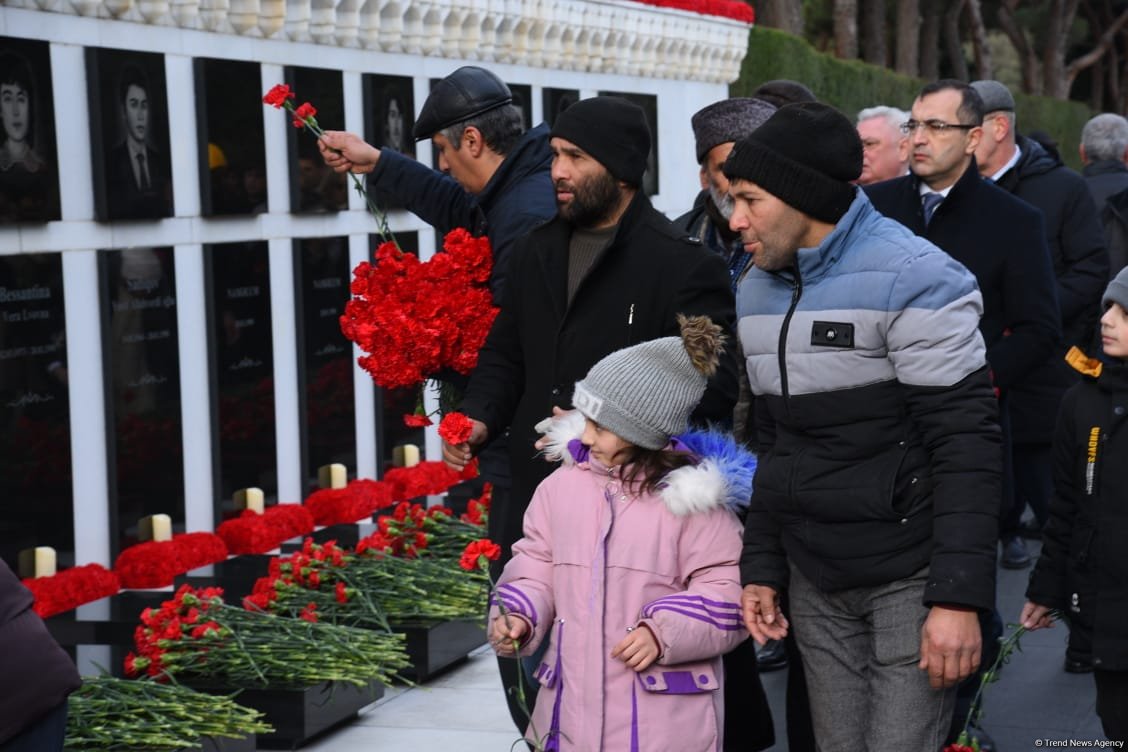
(953, 42)
(846, 29)
(908, 37)
(1017, 37)
(873, 32)
(930, 40)
(1078, 64)
(983, 65)
(1055, 81)
(785, 15)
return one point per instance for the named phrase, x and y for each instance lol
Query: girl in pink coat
(628, 564)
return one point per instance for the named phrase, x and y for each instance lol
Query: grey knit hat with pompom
(645, 393)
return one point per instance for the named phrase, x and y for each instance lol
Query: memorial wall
(174, 256)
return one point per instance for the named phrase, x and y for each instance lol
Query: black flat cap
(464, 94)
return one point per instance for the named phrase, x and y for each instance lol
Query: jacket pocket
(682, 679)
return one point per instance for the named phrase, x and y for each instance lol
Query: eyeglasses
(932, 126)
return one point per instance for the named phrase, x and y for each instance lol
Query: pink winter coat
(595, 560)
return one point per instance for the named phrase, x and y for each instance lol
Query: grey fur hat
(728, 120)
(645, 393)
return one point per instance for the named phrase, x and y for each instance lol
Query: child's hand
(1035, 616)
(504, 631)
(638, 649)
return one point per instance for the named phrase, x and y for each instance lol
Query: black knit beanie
(612, 130)
(806, 154)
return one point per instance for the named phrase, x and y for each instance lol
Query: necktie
(931, 201)
(142, 172)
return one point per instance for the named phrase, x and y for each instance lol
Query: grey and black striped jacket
(880, 445)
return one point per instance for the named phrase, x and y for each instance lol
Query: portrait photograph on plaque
(523, 101)
(143, 423)
(29, 167)
(129, 134)
(241, 363)
(232, 155)
(556, 101)
(314, 187)
(35, 450)
(389, 118)
(649, 105)
(322, 275)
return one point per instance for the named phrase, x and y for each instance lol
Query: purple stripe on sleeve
(719, 614)
(529, 610)
(695, 615)
(695, 598)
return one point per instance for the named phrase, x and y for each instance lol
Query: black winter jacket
(1001, 241)
(1083, 569)
(1080, 260)
(517, 198)
(540, 345)
(38, 674)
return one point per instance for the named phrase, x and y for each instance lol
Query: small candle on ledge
(250, 498)
(410, 455)
(332, 476)
(37, 562)
(156, 527)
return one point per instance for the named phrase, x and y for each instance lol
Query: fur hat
(645, 393)
(806, 154)
(728, 120)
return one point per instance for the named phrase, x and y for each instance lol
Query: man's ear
(704, 178)
(1081, 151)
(473, 142)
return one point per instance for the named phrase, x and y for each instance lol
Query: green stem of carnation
(379, 214)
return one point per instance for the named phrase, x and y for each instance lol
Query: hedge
(852, 85)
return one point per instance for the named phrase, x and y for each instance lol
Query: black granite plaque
(649, 105)
(389, 107)
(242, 371)
(29, 169)
(35, 454)
(142, 379)
(325, 361)
(129, 134)
(232, 160)
(556, 101)
(523, 101)
(314, 187)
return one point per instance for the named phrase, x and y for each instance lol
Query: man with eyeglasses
(1080, 261)
(998, 237)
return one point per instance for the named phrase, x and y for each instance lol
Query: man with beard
(610, 271)
(715, 129)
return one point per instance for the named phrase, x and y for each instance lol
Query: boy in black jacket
(1083, 569)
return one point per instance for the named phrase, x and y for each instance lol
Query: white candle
(410, 455)
(250, 498)
(332, 476)
(159, 528)
(37, 562)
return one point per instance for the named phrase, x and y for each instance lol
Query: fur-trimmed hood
(722, 476)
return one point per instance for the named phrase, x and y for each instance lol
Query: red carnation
(456, 428)
(475, 550)
(415, 420)
(304, 112)
(278, 95)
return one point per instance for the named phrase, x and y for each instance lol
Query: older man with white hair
(885, 149)
(1104, 147)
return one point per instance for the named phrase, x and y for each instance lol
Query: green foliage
(852, 85)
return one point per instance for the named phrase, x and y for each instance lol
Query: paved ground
(1033, 701)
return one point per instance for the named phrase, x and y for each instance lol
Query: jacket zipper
(796, 293)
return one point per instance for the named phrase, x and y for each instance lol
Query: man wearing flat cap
(876, 507)
(492, 179)
(609, 271)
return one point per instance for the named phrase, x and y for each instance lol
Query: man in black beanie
(877, 506)
(608, 272)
